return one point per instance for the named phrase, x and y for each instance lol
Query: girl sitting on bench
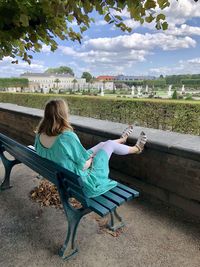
(56, 141)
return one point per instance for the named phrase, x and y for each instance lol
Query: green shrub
(175, 115)
(175, 95)
(188, 97)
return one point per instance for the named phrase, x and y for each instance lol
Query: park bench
(68, 185)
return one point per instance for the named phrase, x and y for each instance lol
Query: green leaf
(150, 4)
(149, 19)
(24, 20)
(118, 17)
(164, 25)
(160, 17)
(163, 3)
(83, 29)
(87, 6)
(134, 12)
(107, 17)
(70, 18)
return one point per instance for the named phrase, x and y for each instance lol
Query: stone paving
(155, 235)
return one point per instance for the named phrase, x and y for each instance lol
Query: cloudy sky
(145, 51)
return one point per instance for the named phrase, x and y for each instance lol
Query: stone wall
(169, 168)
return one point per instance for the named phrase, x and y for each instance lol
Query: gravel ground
(154, 236)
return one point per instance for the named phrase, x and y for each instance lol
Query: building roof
(30, 74)
(104, 77)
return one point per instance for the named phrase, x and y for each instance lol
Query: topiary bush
(175, 95)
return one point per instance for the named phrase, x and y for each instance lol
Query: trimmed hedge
(174, 115)
(191, 82)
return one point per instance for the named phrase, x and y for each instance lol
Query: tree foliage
(157, 83)
(87, 76)
(175, 95)
(189, 79)
(60, 70)
(190, 82)
(26, 25)
(13, 82)
(57, 81)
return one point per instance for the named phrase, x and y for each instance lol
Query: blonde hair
(55, 119)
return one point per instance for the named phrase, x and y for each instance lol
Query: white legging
(110, 147)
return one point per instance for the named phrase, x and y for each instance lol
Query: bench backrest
(71, 182)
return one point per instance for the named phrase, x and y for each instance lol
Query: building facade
(133, 78)
(44, 82)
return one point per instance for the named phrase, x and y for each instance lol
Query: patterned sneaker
(142, 139)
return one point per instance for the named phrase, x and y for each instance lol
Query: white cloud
(183, 30)
(194, 61)
(139, 41)
(122, 52)
(46, 49)
(180, 11)
(100, 22)
(8, 69)
(66, 50)
(190, 66)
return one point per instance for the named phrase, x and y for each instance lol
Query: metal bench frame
(69, 185)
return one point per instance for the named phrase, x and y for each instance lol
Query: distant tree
(57, 81)
(13, 82)
(161, 76)
(28, 24)
(176, 79)
(191, 82)
(60, 70)
(175, 95)
(87, 76)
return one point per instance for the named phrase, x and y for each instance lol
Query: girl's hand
(87, 164)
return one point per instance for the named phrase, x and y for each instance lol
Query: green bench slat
(105, 202)
(96, 207)
(90, 203)
(121, 193)
(115, 198)
(128, 189)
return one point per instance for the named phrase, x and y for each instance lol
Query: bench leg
(8, 164)
(116, 221)
(73, 217)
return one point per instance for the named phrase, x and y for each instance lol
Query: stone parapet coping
(184, 145)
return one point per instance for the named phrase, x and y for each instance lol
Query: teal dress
(68, 152)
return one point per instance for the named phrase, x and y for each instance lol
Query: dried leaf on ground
(103, 226)
(47, 195)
